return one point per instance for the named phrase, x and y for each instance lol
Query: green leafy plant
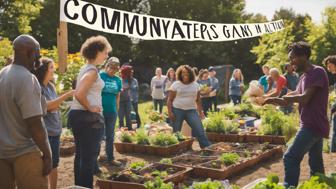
(141, 137)
(137, 165)
(158, 184)
(166, 161)
(126, 137)
(231, 127)
(314, 182)
(208, 184)
(155, 117)
(229, 158)
(161, 174)
(214, 123)
(272, 182)
(180, 137)
(163, 139)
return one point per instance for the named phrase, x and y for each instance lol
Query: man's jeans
(305, 141)
(333, 137)
(235, 99)
(193, 120)
(135, 108)
(158, 105)
(125, 112)
(87, 141)
(206, 104)
(110, 121)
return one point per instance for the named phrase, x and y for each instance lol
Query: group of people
(30, 125)
(161, 85)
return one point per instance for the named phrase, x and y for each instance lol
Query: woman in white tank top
(85, 117)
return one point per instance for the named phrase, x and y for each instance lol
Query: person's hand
(201, 115)
(95, 109)
(47, 165)
(171, 116)
(70, 93)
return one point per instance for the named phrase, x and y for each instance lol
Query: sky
(267, 7)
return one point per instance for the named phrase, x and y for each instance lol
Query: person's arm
(40, 137)
(54, 104)
(152, 84)
(304, 98)
(82, 89)
(118, 100)
(171, 97)
(199, 106)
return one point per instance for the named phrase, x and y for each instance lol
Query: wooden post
(62, 46)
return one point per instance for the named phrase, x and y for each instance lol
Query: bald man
(25, 156)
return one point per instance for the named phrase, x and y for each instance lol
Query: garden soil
(275, 165)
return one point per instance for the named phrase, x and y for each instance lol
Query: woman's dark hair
(300, 48)
(190, 71)
(41, 72)
(93, 45)
(331, 59)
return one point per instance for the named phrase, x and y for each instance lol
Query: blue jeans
(235, 99)
(55, 149)
(135, 108)
(158, 103)
(333, 137)
(87, 128)
(192, 118)
(110, 121)
(214, 103)
(206, 104)
(305, 141)
(125, 113)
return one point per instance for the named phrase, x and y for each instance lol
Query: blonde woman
(236, 86)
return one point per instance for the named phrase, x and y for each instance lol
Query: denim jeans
(206, 104)
(110, 121)
(87, 140)
(54, 142)
(235, 99)
(158, 105)
(305, 141)
(333, 137)
(135, 108)
(214, 103)
(193, 120)
(125, 113)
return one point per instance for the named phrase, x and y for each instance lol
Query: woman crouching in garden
(184, 103)
(85, 117)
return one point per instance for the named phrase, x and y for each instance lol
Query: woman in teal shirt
(110, 99)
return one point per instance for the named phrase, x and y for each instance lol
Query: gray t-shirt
(52, 119)
(20, 98)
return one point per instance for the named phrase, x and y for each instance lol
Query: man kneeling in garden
(312, 96)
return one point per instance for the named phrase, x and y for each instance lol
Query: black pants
(137, 116)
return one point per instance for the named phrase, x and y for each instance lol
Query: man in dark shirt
(312, 95)
(330, 63)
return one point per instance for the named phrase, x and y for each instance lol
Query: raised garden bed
(191, 160)
(67, 146)
(216, 169)
(135, 180)
(154, 150)
(216, 137)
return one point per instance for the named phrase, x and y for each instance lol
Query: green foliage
(180, 137)
(155, 117)
(208, 185)
(158, 184)
(6, 51)
(229, 158)
(216, 122)
(137, 165)
(126, 137)
(16, 16)
(272, 182)
(166, 161)
(313, 182)
(163, 139)
(161, 174)
(141, 137)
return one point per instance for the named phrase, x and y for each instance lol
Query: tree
(16, 16)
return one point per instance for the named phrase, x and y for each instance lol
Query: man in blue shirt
(263, 80)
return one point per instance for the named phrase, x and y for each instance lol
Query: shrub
(141, 137)
(229, 158)
(163, 139)
(126, 137)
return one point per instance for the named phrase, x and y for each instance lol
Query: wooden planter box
(176, 178)
(217, 137)
(205, 172)
(154, 150)
(193, 160)
(67, 147)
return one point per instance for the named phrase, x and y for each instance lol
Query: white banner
(148, 27)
